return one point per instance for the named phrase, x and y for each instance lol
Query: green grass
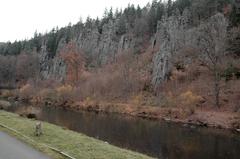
(75, 144)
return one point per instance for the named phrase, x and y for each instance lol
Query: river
(155, 138)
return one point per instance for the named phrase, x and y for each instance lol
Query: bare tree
(212, 44)
(27, 67)
(7, 71)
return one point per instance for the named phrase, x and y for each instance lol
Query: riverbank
(72, 143)
(206, 118)
(192, 110)
(213, 118)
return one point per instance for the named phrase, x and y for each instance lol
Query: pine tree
(169, 7)
(110, 14)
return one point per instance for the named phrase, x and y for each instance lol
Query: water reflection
(157, 139)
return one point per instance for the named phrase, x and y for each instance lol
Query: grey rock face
(173, 35)
(51, 67)
(170, 38)
(99, 47)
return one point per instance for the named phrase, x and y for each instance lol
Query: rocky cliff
(161, 29)
(175, 35)
(99, 47)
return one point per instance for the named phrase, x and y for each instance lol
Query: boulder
(4, 104)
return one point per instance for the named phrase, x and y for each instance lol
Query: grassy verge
(72, 143)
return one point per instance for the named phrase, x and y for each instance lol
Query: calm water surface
(158, 139)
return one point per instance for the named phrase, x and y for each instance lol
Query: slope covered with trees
(133, 19)
(181, 55)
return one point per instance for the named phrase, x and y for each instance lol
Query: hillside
(181, 55)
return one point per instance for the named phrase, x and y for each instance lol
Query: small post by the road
(38, 129)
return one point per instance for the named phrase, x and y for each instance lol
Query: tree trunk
(76, 74)
(217, 89)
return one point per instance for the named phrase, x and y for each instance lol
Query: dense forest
(132, 20)
(181, 54)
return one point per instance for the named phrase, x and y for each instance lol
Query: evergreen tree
(169, 7)
(121, 26)
(88, 23)
(181, 5)
(37, 41)
(110, 14)
(139, 12)
(51, 43)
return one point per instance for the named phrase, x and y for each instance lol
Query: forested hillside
(182, 54)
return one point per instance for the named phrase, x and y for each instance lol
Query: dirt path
(11, 148)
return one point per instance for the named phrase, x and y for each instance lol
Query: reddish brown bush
(27, 91)
(74, 58)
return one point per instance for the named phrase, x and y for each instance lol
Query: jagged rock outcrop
(175, 34)
(170, 38)
(51, 67)
(98, 46)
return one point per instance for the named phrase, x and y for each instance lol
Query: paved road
(11, 148)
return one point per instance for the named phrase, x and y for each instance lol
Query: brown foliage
(28, 91)
(119, 80)
(27, 67)
(74, 58)
(64, 93)
(7, 71)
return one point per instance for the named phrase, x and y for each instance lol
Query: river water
(157, 139)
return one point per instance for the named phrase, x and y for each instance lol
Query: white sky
(19, 19)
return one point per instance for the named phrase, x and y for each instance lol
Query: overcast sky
(19, 19)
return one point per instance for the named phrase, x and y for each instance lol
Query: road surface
(11, 148)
